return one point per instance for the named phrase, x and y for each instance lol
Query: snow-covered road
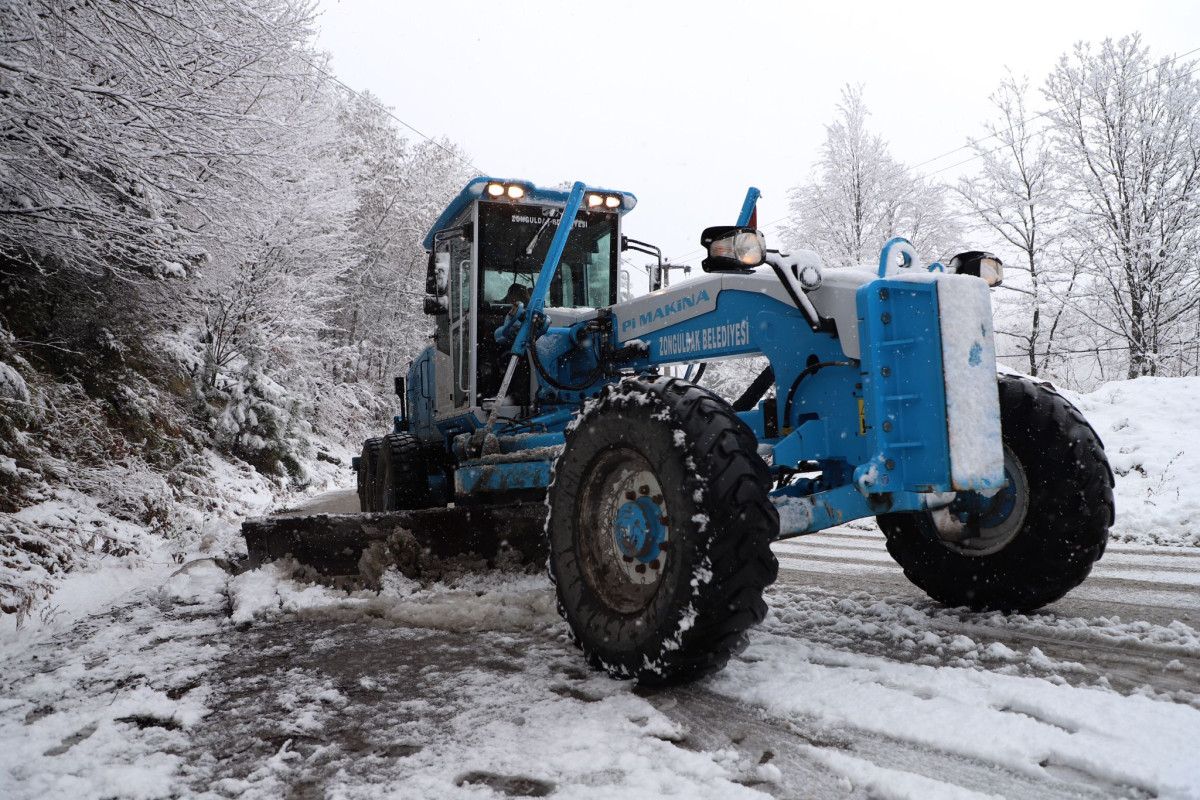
(196, 684)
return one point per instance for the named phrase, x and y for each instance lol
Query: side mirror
(733, 248)
(437, 284)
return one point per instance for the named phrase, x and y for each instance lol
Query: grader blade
(414, 541)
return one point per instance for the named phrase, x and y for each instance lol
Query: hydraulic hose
(812, 370)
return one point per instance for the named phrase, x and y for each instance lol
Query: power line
(1001, 147)
(1088, 350)
(1035, 117)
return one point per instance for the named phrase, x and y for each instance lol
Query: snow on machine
(542, 424)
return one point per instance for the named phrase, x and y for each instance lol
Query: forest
(210, 251)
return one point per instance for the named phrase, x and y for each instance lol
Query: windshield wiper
(533, 242)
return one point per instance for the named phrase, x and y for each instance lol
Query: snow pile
(474, 602)
(1149, 428)
(968, 356)
(117, 518)
(101, 706)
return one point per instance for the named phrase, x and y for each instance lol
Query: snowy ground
(151, 680)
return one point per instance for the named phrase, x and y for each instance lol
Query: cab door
(454, 354)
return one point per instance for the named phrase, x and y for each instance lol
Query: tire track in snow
(1129, 626)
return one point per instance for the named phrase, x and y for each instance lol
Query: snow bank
(1149, 428)
(72, 551)
(488, 601)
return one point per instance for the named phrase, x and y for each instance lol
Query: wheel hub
(624, 529)
(639, 530)
(978, 525)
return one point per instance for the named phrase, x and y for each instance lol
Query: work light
(732, 247)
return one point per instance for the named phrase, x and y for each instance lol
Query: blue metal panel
(420, 387)
(530, 441)
(752, 195)
(801, 513)
(502, 477)
(808, 442)
(728, 331)
(904, 391)
(463, 423)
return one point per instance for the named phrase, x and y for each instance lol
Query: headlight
(731, 247)
(603, 201)
(980, 264)
(747, 247)
(510, 190)
(992, 271)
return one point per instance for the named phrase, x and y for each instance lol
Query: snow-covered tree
(399, 188)
(1016, 199)
(119, 118)
(1127, 134)
(185, 216)
(860, 197)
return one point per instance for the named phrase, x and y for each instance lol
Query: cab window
(514, 239)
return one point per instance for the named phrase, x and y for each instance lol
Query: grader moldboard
(541, 422)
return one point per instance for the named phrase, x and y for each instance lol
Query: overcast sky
(686, 104)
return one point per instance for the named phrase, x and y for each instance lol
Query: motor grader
(550, 420)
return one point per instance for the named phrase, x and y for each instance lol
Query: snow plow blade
(419, 543)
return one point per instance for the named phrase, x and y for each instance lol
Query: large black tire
(669, 467)
(1039, 537)
(402, 478)
(368, 465)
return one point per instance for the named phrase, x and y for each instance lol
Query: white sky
(686, 104)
